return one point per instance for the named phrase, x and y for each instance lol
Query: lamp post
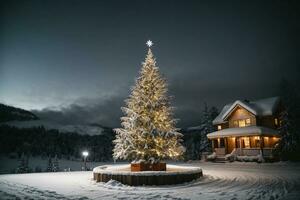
(85, 154)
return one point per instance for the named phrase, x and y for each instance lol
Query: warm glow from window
(248, 121)
(242, 123)
(256, 141)
(276, 121)
(235, 123)
(219, 127)
(246, 142)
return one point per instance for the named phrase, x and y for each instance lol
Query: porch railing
(267, 152)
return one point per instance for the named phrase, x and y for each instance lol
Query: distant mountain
(82, 129)
(20, 118)
(10, 113)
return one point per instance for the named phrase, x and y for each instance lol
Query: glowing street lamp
(85, 154)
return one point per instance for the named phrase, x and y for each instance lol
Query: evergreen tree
(214, 112)
(149, 133)
(23, 164)
(55, 164)
(50, 165)
(289, 144)
(208, 115)
(196, 137)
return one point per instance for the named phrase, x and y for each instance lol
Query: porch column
(261, 144)
(250, 144)
(226, 145)
(213, 145)
(241, 150)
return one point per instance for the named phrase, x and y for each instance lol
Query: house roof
(262, 107)
(244, 131)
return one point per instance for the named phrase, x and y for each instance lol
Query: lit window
(219, 127)
(256, 138)
(242, 123)
(246, 142)
(248, 121)
(276, 121)
(235, 123)
(266, 142)
(257, 141)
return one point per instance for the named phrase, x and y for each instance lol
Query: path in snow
(220, 181)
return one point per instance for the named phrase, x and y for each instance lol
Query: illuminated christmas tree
(149, 133)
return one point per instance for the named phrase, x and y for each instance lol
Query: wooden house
(247, 128)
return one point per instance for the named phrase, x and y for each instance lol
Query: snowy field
(220, 181)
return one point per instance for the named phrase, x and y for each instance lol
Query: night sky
(75, 61)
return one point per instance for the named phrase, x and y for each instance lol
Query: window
(266, 142)
(248, 121)
(246, 142)
(276, 121)
(219, 127)
(242, 122)
(235, 123)
(257, 141)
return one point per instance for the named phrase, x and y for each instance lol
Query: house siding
(238, 114)
(268, 121)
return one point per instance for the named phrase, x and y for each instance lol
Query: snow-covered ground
(220, 181)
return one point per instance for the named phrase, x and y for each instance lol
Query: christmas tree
(149, 133)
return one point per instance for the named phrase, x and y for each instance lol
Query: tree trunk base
(137, 167)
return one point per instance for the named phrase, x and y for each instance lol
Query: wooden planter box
(136, 180)
(137, 167)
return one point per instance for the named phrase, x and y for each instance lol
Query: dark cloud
(188, 98)
(104, 112)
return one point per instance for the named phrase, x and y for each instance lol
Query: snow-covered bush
(260, 158)
(257, 158)
(230, 157)
(212, 156)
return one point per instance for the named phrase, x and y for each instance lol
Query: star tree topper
(149, 43)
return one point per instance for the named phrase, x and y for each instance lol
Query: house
(247, 128)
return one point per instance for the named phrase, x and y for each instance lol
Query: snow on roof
(262, 107)
(244, 131)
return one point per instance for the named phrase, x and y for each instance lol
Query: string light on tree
(149, 133)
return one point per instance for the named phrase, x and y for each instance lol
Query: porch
(244, 146)
(244, 141)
